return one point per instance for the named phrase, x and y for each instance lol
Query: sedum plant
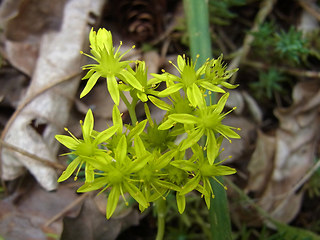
(146, 159)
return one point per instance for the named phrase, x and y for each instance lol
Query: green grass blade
(200, 43)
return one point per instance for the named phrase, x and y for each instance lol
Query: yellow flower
(109, 65)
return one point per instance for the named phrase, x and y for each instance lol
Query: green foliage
(148, 162)
(270, 83)
(220, 11)
(283, 232)
(263, 39)
(289, 47)
(313, 185)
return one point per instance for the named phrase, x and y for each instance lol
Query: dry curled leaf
(290, 151)
(44, 110)
(91, 223)
(24, 216)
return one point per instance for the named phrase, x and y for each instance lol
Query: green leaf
(221, 103)
(142, 96)
(167, 185)
(164, 77)
(165, 158)
(184, 165)
(105, 135)
(67, 141)
(92, 186)
(139, 147)
(226, 131)
(116, 119)
(172, 89)
(88, 126)
(99, 162)
(153, 81)
(160, 104)
(294, 233)
(89, 74)
(212, 147)
(181, 202)
(113, 199)
(130, 79)
(211, 87)
(190, 185)
(113, 89)
(121, 149)
(181, 62)
(70, 169)
(166, 124)
(220, 170)
(184, 118)
(89, 173)
(138, 129)
(195, 96)
(192, 139)
(229, 85)
(139, 163)
(90, 84)
(136, 194)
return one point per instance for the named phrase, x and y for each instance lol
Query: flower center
(188, 75)
(115, 176)
(85, 149)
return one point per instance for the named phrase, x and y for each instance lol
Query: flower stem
(200, 43)
(131, 108)
(161, 211)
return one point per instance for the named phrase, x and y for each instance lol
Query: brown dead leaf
(91, 223)
(44, 111)
(23, 217)
(294, 150)
(25, 23)
(261, 164)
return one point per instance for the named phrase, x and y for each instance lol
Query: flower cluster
(147, 160)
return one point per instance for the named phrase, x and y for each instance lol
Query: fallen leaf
(24, 216)
(291, 153)
(91, 223)
(44, 111)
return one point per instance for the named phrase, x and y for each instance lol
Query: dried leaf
(26, 218)
(294, 145)
(44, 111)
(92, 224)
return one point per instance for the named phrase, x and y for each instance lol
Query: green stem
(131, 108)
(161, 211)
(200, 43)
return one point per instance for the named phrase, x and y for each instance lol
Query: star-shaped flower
(199, 167)
(109, 65)
(86, 148)
(190, 81)
(117, 172)
(205, 120)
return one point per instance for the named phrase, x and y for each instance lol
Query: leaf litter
(273, 162)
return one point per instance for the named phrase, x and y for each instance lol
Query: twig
(67, 208)
(298, 186)
(20, 108)
(30, 155)
(311, 8)
(265, 9)
(292, 71)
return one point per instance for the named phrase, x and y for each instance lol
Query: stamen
(67, 130)
(220, 183)
(158, 191)
(124, 198)
(76, 177)
(175, 66)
